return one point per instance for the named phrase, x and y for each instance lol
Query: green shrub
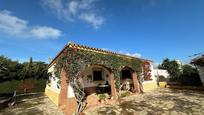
(125, 94)
(40, 85)
(190, 76)
(161, 78)
(102, 96)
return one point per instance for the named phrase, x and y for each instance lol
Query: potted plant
(102, 97)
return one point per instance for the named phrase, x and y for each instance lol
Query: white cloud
(134, 55)
(73, 7)
(45, 32)
(75, 10)
(138, 55)
(13, 25)
(105, 49)
(91, 18)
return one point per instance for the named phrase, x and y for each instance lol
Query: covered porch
(86, 74)
(99, 85)
(129, 80)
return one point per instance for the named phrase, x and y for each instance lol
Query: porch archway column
(68, 105)
(136, 82)
(113, 88)
(63, 87)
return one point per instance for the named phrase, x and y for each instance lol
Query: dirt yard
(162, 101)
(35, 105)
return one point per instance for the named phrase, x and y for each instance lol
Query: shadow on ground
(25, 104)
(165, 101)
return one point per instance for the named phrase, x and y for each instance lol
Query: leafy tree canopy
(10, 69)
(184, 74)
(173, 67)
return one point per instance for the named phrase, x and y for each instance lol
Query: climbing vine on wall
(75, 60)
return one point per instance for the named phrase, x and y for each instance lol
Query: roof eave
(71, 43)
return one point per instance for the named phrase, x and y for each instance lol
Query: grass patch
(11, 86)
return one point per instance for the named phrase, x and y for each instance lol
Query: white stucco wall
(70, 92)
(160, 72)
(53, 80)
(53, 83)
(152, 71)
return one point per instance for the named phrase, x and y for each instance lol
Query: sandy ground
(162, 101)
(39, 105)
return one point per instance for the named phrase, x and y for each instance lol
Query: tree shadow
(164, 102)
(25, 104)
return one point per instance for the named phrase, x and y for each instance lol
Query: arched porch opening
(129, 80)
(95, 80)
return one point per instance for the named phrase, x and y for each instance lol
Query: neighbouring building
(161, 72)
(98, 71)
(199, 63)
(162, 77)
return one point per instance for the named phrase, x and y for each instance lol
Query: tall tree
(165, 64)
(14, 70)
(8, 68)
(40, 70)
(172, 67)
(27, 70)
(3, 72)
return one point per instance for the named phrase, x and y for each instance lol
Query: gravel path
(161, 101)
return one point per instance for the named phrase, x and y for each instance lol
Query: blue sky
(152, 29)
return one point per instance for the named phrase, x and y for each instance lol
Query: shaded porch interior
(127, 79)
(96, 80)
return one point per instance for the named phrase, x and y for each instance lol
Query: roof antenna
(50, 59)
(197, 54)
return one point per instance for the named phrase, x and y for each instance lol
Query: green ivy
(74, 61)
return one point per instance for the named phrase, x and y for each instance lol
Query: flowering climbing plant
(74, 61)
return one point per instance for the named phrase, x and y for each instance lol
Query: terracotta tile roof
(97, 50)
